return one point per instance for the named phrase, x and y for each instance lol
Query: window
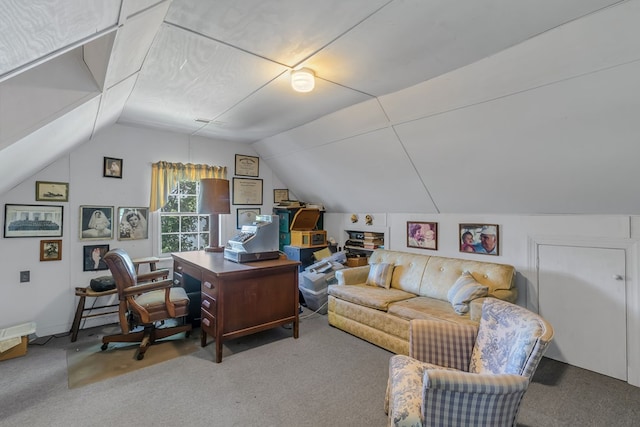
(181, 228)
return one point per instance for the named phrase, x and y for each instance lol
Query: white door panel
(582, 294)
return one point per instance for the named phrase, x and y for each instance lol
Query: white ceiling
(220, 69)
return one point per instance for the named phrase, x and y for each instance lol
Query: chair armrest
(471, 399)
(442, 343)
(153, 275)
(352, 276)
(141, 288)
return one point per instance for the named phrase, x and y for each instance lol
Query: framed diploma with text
(247, 165)
(247, 191)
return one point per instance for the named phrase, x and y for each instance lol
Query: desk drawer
(210, 288)
(208, 323)
(181, 268)
(208, 303)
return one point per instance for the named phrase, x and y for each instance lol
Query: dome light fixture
(303, 80)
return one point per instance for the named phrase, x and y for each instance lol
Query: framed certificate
(280, 194)
(247, 191)
(247, 165)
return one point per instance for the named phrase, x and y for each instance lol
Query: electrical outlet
(24, 276)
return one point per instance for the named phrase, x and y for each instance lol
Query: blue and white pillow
(465, 290)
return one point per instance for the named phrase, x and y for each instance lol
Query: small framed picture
(246, 216)
(423, 235)
(93, 257)
(33, 220)
(280, 194)
(112, 167)
(52, 191)
(96, 222)
(247, 165)
(132, 223)
(50, 250)
(479, 238)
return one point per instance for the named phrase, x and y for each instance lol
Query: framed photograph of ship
(52, 191)
(32, 220)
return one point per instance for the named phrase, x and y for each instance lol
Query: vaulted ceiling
(220, 69)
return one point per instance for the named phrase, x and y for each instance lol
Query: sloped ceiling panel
(251, 121)
(112, 103)
(46, 144)
(194, 78)
(358, 178)
(537, 151)
(33, 29)
(284, 31)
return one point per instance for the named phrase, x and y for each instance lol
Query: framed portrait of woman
(132, 223)
(422, 235)
(96, 222)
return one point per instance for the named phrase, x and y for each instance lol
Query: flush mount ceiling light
(303, 80)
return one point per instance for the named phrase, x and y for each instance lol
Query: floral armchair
(466, 375)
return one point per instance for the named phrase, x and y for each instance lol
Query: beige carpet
(88, 364)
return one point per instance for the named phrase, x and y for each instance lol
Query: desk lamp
(214, 200)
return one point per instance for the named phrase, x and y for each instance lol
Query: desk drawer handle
(206, 322)
(179, 268)
(206, 303)
(208, 285)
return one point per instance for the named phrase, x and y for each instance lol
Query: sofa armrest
(353, 276)
(442, 343)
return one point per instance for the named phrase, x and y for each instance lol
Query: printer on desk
(256, 242)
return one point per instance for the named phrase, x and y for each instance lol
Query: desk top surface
(216, 263)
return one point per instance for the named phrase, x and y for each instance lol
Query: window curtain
(165, 176)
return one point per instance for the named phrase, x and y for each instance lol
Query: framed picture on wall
(479, 238)
(112, 167)
(422, 235)
(32, 220)
(247, 165)
(50, 250)
(93, 257)
(247, 191)
(280, 194)
(246, 216)
(132, 223)
(52, 191)
(96, 222)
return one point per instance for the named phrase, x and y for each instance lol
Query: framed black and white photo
(132, 223)
(32, 220)
(246, 216)
(52, 191)
(93, 257)
(479, 239)
(112, 167)
(247, 191)
(96, 223)
(247, 165)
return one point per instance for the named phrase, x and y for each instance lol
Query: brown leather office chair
(145, 305)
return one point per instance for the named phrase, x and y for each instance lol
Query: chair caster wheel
(140, 356)
(104, 347)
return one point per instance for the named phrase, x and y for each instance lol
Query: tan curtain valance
(165, 176)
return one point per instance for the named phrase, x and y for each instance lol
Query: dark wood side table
(241, 299)
(83, 293)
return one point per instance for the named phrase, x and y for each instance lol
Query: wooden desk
(241, 299)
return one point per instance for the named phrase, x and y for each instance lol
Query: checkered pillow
(465, 290)
(380, 275)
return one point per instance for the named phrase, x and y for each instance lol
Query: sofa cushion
(465, 290)
(369, 296)
(428, 308)
(380, 275)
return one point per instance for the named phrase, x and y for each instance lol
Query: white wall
(48, 299)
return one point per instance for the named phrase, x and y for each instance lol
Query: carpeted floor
(87, 363)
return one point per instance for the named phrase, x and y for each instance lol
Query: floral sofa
(376, 302)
